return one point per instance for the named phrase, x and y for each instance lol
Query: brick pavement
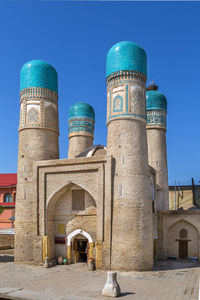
(169, 280)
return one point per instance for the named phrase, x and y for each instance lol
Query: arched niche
(182, 231)
(63, 217)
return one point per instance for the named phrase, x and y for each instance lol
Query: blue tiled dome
(38, 73)
(126, 56)
(155, 100)
(81, 109)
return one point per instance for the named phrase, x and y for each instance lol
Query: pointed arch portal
(73, 234)
(78, 231)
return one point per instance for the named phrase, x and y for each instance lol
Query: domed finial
(126, 56)
(152, 86)
(38, 73)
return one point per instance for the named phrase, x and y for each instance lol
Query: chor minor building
(106, 202)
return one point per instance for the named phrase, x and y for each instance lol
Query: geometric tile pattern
(81, 125)
(38, 109)
(32, 116)
(156, 118)
(129, 88)
(118, 103)
(51, 120)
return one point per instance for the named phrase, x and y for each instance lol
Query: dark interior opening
(81, 247)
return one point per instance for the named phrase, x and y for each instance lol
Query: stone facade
(6, 241)
(170, 225)
(99, 204)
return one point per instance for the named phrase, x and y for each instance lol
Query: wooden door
(183, 249)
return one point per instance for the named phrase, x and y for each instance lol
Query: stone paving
(170, 280)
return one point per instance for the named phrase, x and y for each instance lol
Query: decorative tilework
(125, 75)
(118, 104)
(39, 109)
(126, 98)
(32, 116)
(156, 118)
(38, 73)
(155, 100)
(130, 90)
(81, 109)
(81, 125)
(126, 56)
(51, 120)
(137, 105)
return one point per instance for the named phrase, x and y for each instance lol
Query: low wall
(6, 241)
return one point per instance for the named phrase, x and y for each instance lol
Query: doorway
(80, 247)
(183, 249)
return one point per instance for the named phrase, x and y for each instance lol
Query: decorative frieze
(156, 118)
(38, 109)
(126, 96)
(81, 126)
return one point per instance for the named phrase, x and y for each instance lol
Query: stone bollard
(91, 264)
(46, 262)
(111, 288)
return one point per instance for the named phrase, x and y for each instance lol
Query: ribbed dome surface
(126, 56)
(81, 109)
(155, 100)
(38, 73)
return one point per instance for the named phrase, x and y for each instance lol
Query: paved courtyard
(170, 280)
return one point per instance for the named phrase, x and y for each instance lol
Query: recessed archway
(182, 240)
(69, 208)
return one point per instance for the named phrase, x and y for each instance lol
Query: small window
(120, 190)
(78, 200)
(7, 198)
(183, 234)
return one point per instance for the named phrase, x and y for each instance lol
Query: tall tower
(81, 128)
(38, 140)
(156, 107)
(132, 240)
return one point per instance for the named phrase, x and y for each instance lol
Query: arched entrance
(79, 246)
(182, 240)
(70, 208)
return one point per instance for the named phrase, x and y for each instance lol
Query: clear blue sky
(75, 37)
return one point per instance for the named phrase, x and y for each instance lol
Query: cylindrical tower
(38, 140)
(132, 240)
(156, 109)
(81, 128)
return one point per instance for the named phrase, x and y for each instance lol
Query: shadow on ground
(126, 294)
(174, 265)
(6, 258)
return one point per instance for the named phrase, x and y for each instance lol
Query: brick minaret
(156, 108)
(132, 242)
(38, 140)
(81, 128)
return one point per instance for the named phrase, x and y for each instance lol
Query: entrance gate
(83, 248)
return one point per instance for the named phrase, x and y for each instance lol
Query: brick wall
(6, 241)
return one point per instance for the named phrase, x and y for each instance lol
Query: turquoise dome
(38, 73)
(126, 56)
(81, 109)
(155, 100)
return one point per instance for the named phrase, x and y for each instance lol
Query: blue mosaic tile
(155, 100)
(81, 109)
(38, 73)
(126, 56)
